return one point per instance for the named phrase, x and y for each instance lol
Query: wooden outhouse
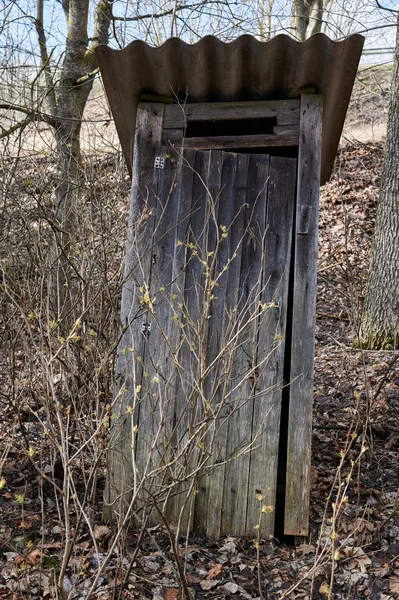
(227, 145)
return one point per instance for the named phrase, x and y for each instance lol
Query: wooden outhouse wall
(215, 362)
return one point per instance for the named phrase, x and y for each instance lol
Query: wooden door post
(303, 318)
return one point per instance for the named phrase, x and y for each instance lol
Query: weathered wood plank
(283, 129)
(218, 353)
(284, 135)
(173, 137)
(303, 318)
(182, 401)
(131, 348)
(213, 182)
(155, 427)
(237, 480)
(243, 310)
(271, 343)
(286, 112)
(193, 347)
(232, 142)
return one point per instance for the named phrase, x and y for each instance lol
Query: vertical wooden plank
(224, 291)
(250, 285)
(193, 299)
(131, 346)
(250, 207)
(194, 323)
(180, 401)
(216, 256)
(271, 344)
(155, 424)
(201, 403)
(303, 318)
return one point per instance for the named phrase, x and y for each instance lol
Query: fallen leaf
(56, 529)
(229, 547)
(158, 594)
(382, 571)
(10, 555)
(18, 560)
(359, 559)
(394, 585)
(27, 522)
(230, 587)
(100, 532)
(215, 571)
(34, 557)
(172, 594)
(324, 589)
(305, 549)
(208, 584)
(67, 584)
(51, 545)
(82, 546)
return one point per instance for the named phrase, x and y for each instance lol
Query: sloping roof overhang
(245, 69)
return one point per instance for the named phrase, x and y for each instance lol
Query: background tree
(68, 81)
(48, 69)
(308, 17)
(60, 85)
(380, 319)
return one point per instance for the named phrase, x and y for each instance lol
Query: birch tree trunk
(308, 18)
(380, 318)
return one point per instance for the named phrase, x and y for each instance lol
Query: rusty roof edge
(213, 69)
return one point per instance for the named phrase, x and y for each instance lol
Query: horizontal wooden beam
(283, 129)
(230, 142)
(285, 111)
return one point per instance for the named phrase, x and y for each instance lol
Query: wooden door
(210, 265)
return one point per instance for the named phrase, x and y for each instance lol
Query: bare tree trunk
(265, 19)
(67, 103)
(380, 319)
(307, 18)
(316, 17)
(71, 100)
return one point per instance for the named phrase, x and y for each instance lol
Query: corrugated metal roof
(245, 69)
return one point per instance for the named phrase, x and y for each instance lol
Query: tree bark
(316, 17)
(380, 318)
(308, 18)
(67, 102)
(72, 92)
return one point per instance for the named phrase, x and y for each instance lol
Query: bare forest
(64, 210)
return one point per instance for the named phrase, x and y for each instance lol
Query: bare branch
(391, 10)
(33, 115)
(173, 10)
(20, 125)
(45, 60)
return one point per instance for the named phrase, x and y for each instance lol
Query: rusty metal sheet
(245, 69)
